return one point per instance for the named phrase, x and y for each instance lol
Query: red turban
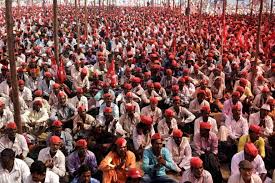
(11, 125)
(169, 113)
(251, 149)
(205, 125)
(177, 133)
(38, 93)
(57, 123)
(205, 108)
(255, 129)
(134, 173)
(108, 110)
(55, 139)
(146, 120)
(156, 136)
(121, 142)
(153, 100)
(81, 143)
(196, 162)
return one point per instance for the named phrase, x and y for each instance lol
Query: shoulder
(207, 174)
(51, 175)
(165, 150)
(130, 153)
(256, 178)
(21, 164)
(90, 154)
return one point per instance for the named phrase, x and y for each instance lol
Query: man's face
(205, 114)
(177, 140)
(176, 104)
(62, 100)
(204, 133)
(263, 113)
(235, 99)
(236, 114)
(57, 130)
(85, 177)
(153, 106)
(54, 147)
(108, 115)
(197, 171)
(253, 136)
(248, 157)
(108, 101)
(2, 108)
(36, 107)
(56, 90)
(121, 151)
(81, 151)
(21, 87)
(11, 133)
(246, 174)
(38, 177)
(157, 145)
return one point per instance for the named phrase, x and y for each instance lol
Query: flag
(240, 38)
(61, 73)
(111, 74)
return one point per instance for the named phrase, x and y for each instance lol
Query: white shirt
(19, 146)
(181, 154)
(26, 94)
(51, 177)
(77, 103)
(210, 120)
(188, 176)
(184, 115)
(155, 115)
(58, 160)
(164, 129)
(196, 107)
(237, 178)
(18, 174)
(236, 128)
(258, 164)
(255, 119)
(6, 117)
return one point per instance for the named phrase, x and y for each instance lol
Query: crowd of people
(138, 95)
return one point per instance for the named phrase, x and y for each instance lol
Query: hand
(49, 163)
(161, 160)
(20, 156)
(120, 165)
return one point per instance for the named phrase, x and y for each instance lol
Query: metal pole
(223, 24)
(259, 30)
(237, 5)
(14, 82)
(86, 20)
(77, 22)
(55, 36)
(188, 12)
(271, 9)
(200, 17)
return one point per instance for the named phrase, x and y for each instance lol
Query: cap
(270, 101)
(169, 113)
(81, 143)
(84, 71)
(156, 136)
(146, 120)
(121, 142)
(243, 81)
(169, 72)
(240, 89)
(205, 125)
(108, 110)
(11, 125)
(150, 84)
(157, 85)
(79, 90)
(136, 80)
(153, 100)
(127, 86)
(251, 149)
(56, 85)
(55, 139)
(129, 107)
(196, 162)
(236, 94)
(81, 108)
(61, 94)
(134, 173)
(177, 133)
(129, 94)
(205, 108)
(176, 98)
(175, 88)
(57, 123)
(265, 89)
(48, 74)
(201, 92)
(38, 102)
(38, 93)
(255, 128)
(106, 95)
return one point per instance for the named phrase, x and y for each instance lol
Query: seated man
(249, 153)
(205, 112)
(134, 175)
(81, 156)
(117, 162)
(108, 102)
(167, 125)
(180, 149)
(196, 174)
(67, 139)
(15, 141)
(262, 119)
(152, 110)
(35, 119)
(206, 147)
(246, 174)
(254, 137)
(5, 115)
(156, 160)
(84, 175)
(39, 173)
(53, 158)
(12, 170)
(63, 111)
